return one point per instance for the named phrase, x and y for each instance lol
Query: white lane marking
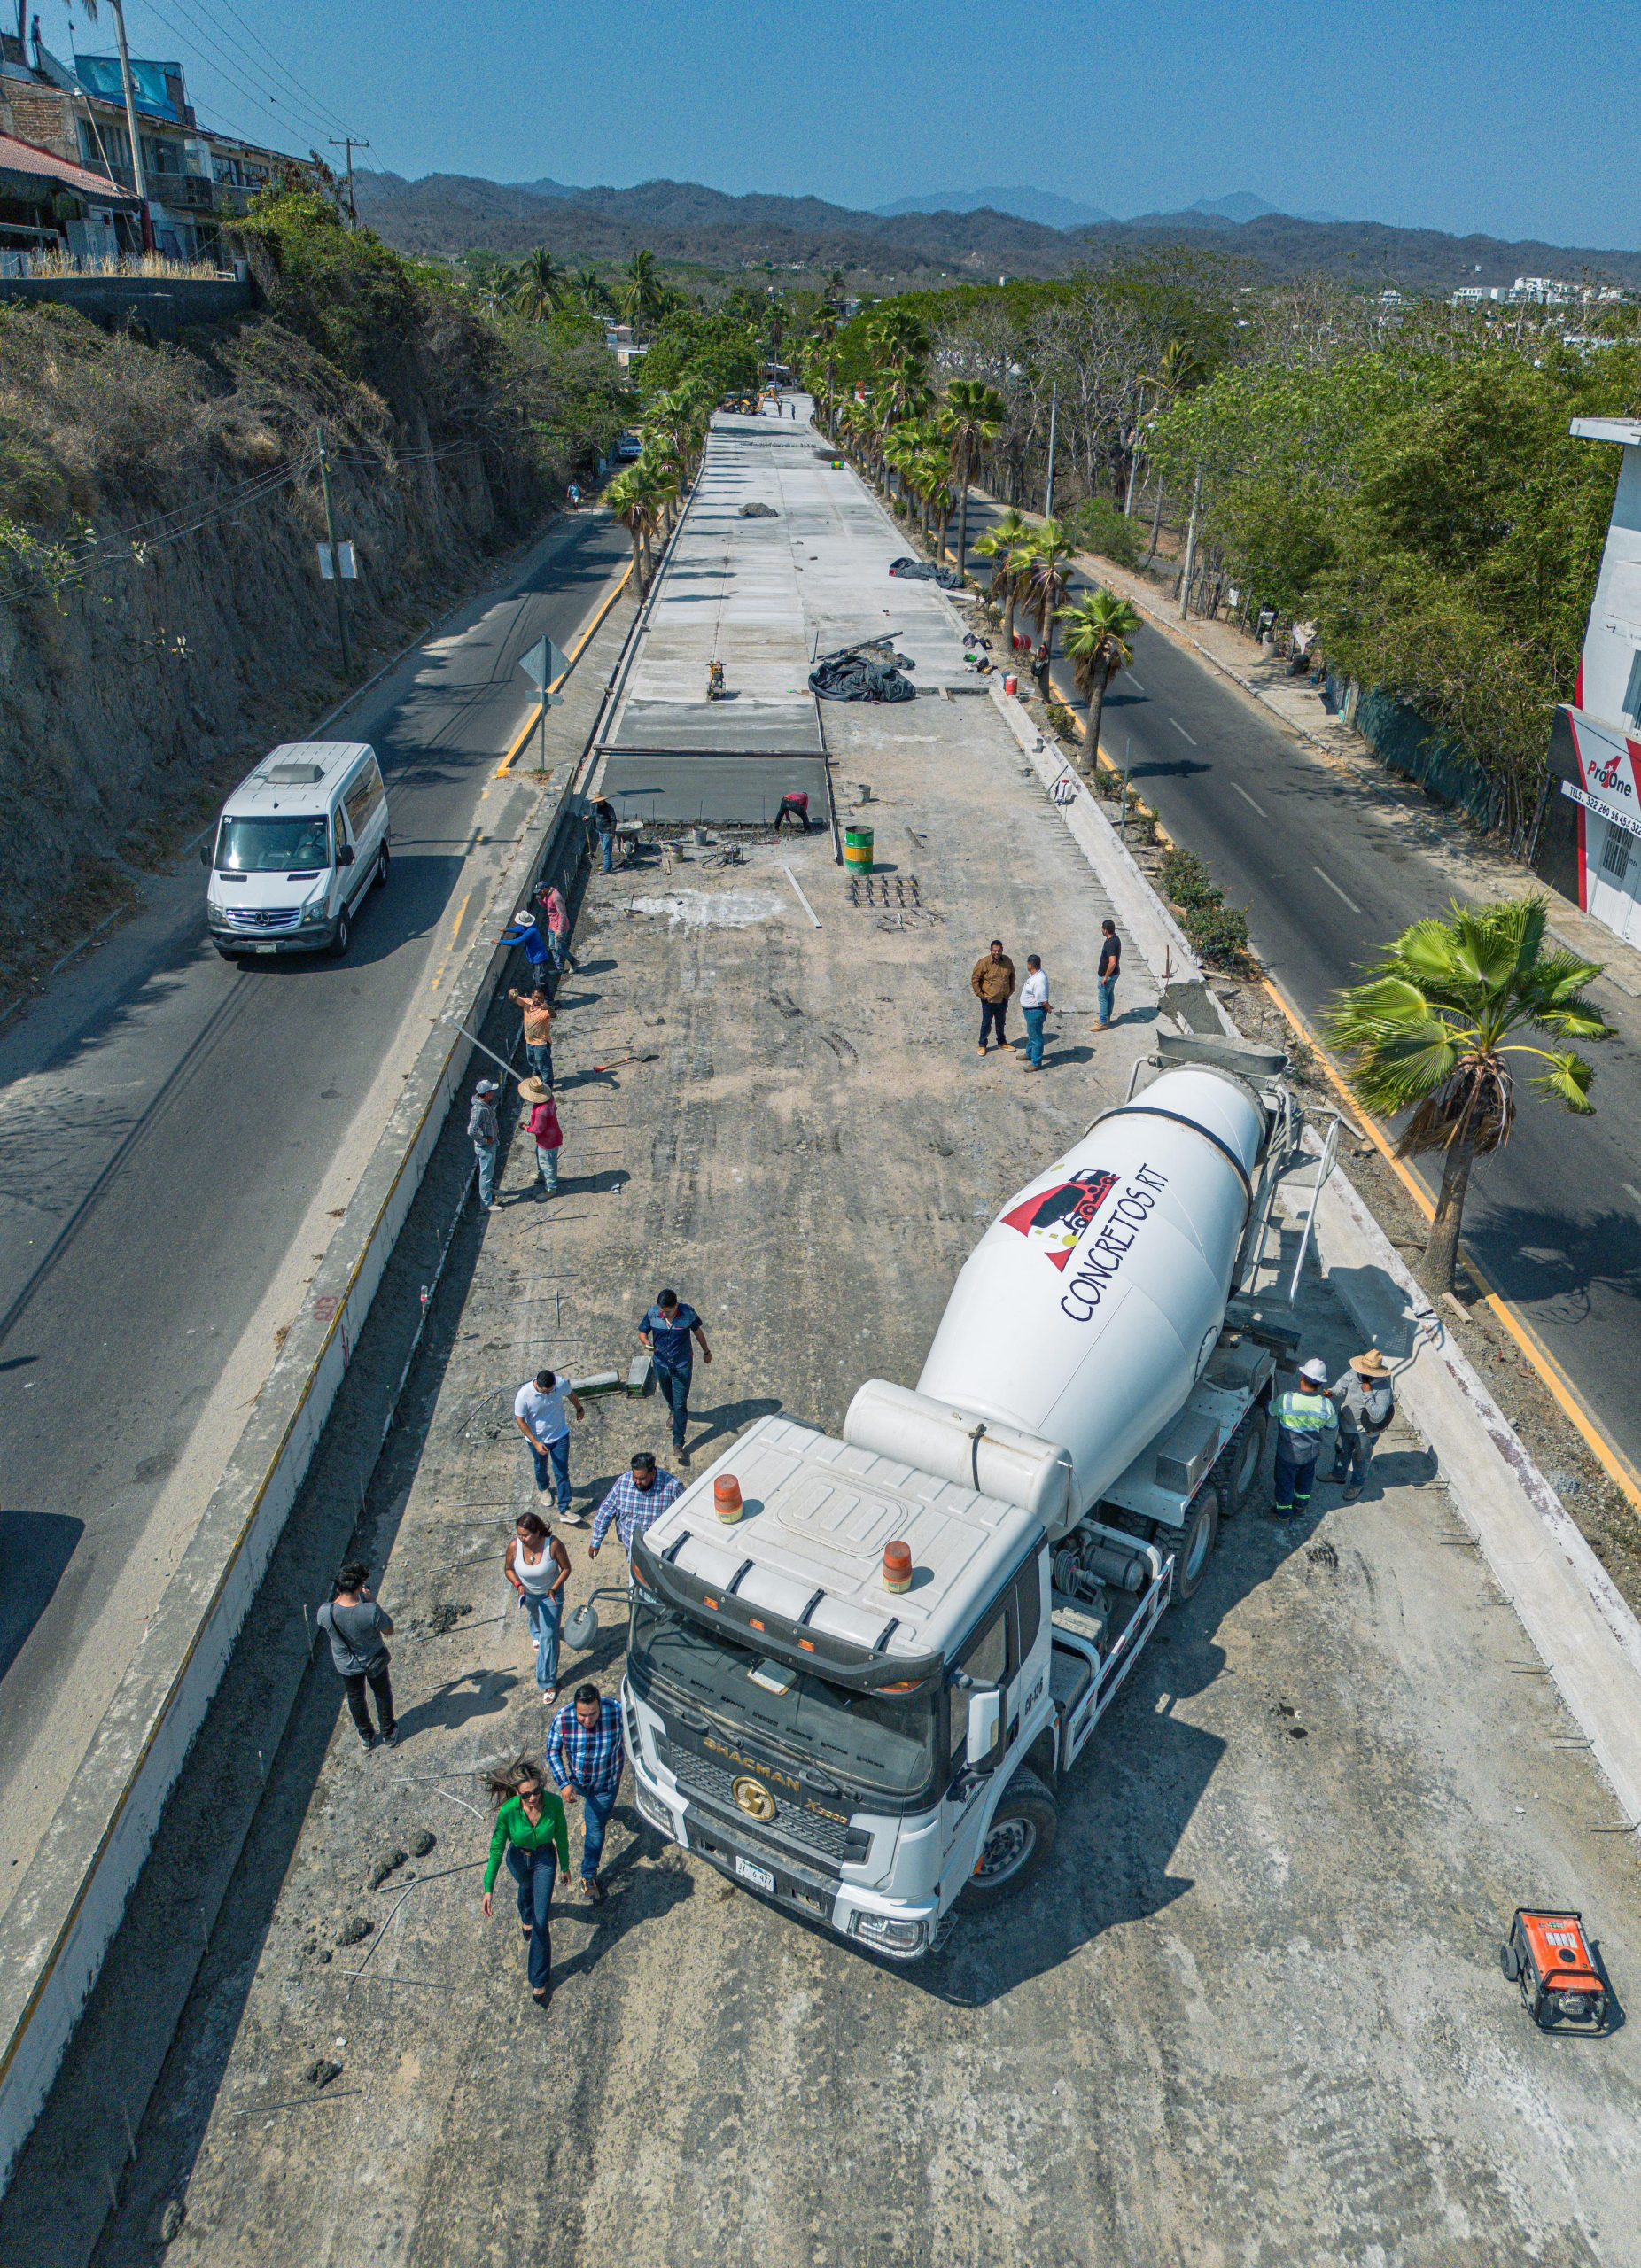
(1630, 1190)
(1333, 886)
(1179, 728)
(1134, 681)
(1246, 798)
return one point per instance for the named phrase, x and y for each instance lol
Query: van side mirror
(345, 856)
(207, 849)
(986, 1725)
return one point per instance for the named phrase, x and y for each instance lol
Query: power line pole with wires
(350, 142)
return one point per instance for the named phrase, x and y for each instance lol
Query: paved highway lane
(1328, 873)
(176, 1134)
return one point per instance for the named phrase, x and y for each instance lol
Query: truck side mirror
(986, 1725)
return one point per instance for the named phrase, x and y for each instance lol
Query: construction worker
(1303, 1417)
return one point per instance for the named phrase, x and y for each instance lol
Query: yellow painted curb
(1554, 1378)
(571, 659)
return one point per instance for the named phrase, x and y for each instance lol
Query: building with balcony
(75, 111)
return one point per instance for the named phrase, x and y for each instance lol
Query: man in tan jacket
(993, 984)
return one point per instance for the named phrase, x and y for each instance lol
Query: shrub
(1064, 722)
(1187, 881)
(1218, 933)
(1098, 525)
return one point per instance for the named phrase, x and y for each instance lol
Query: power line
(323, 108)
(310, 127)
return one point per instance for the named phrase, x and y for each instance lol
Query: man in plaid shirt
(585, 1754)
(636, 1503)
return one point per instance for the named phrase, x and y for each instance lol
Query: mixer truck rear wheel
(1237, 1473)
(1020, 1837)
(1191, 1553)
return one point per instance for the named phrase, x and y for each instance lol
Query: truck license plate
(759, 1878)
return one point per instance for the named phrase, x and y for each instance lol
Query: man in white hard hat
(1302, 1415)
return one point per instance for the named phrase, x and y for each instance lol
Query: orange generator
(1548, 1955)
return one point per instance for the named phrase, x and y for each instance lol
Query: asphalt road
(170, 1124)
(1328, 877)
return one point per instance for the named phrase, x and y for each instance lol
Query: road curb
(57, 1931)
(1579, 1626)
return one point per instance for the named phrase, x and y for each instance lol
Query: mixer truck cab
(859, 1669)
(299, 843)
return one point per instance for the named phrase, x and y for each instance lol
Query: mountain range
(687, 223)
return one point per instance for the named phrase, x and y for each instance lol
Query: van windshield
(880, 1741)
(273, 846)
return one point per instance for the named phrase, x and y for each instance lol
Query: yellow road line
(1552, 1377)
(454, 933)
(506, 765)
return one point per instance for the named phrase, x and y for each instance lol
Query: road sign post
(547, 668)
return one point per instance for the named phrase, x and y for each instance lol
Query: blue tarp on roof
(99, 75)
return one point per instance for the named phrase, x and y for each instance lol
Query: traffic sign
(545, 665)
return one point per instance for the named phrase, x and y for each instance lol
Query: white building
(1589, 840)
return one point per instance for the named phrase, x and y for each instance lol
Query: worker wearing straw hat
(544, 1129)
(1365, 1397)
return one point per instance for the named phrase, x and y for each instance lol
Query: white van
(299, 843)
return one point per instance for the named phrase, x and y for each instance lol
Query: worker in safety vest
(1302, 1418)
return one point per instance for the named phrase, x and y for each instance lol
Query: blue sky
(1512, 118)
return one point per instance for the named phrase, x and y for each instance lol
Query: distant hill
(687, 221)
(1241, 206)
(1039, 205)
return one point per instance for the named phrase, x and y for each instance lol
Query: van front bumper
(314, 938)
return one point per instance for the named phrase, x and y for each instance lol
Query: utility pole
(1053, 416)
(335, 555)
(1185, 580)
(350, 142)
(139, 176)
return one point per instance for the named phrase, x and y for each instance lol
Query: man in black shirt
(1109, 969)
(605, 821)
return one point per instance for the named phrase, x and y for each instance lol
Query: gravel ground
(1252, 2011)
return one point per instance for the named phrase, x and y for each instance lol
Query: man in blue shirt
(524, 929)
(667, 1330)
(585, 1754)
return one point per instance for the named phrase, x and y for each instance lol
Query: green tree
(588, 286)
(1046, 577)
(539, 285)
(639, 294)
(1431, 1032)
(1100, 639)
(971, 420)
(639, 498)
(1001, 544)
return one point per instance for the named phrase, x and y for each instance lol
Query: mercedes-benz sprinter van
(300, 842)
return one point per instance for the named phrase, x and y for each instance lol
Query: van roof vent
(295, 775)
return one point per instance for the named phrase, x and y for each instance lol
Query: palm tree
(639, 498)
(929, 478)
(1430, 1032)
(673, 425)
(1000, 541)
(1045, 580)
(902, 449)
(588, 286)
(540, 285)
(639, 294)
(971, 421)
(1099, 636)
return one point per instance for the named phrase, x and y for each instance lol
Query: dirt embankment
(161, 611)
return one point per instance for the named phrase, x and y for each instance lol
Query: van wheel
(339, 943)
(1191, 1552)
(1020, 1837)
(381, 868)
(1236, 1472)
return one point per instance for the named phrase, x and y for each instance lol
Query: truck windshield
(273, 846)
(881, 1741)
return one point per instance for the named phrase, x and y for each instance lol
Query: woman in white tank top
(538, 1567)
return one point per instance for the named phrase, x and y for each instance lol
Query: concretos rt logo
(1054, 1220)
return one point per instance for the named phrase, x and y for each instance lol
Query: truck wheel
(1236, 1472)
(1191, 1552)
(339, 943)
(1020, 1837)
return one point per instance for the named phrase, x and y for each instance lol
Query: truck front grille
(804, 1831)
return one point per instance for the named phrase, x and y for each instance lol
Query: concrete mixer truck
(859, 1670)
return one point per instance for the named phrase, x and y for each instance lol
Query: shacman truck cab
(857, 1668)
(300, 840)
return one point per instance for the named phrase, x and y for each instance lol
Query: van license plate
(759, 1878)
(265, 948)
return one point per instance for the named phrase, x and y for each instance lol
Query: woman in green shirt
(531, 1835)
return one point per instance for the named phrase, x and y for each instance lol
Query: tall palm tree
(971, 420)
(931, 478)
(639, 498)
(1100, 639)
(1045, 580)
(588, 286)
(1003, 538)
(1430, 1032)
(541, 285)
(902, 449)
(640, 293)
